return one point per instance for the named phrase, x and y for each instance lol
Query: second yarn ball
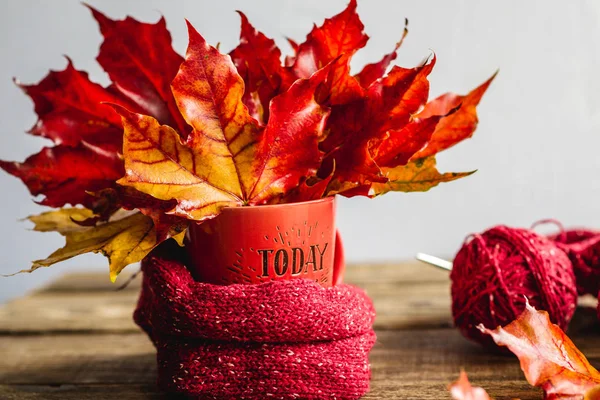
(582, 246)
(495, 271)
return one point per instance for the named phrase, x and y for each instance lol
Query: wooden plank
(69, 312)
(504, 390)
(93, 282)
(406, 364)
(406, 296)
(400, 304)
(81, 392)
(410, 271)
(77, 359)
(406, 272)
(97, 352)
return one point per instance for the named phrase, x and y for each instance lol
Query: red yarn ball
(582, 246)
(495, 271)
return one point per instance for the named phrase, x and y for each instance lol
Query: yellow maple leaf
(125, 239)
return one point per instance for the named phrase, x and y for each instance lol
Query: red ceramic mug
(251, 245)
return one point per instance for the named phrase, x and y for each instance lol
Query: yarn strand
(496, 270)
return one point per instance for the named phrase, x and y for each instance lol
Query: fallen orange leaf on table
(548, 357)
(462, 389)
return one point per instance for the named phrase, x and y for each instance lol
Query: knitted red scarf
(277, 340)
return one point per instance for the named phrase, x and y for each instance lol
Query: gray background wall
(536, 147)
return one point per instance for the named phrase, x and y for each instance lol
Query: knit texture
(582, 246)
(277, 340)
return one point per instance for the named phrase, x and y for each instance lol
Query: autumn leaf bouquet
(244, 152)
(173, 140)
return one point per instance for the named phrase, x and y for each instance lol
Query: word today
(296, 258)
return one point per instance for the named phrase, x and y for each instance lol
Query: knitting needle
(435, 261)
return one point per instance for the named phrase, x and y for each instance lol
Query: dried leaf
(358, 129)
(398, 96)
(125, 239)
(462, 389)
(417, 176)
(341, 34)
(70, 112)
(112, 199)
(159, 164)
(227, 160)
(287, 148)
(63, 221)
(340, 87)
(65, 175)
(140, 61)
(457, 126)
(399, 146)
(258, 59)
(548, 357)
(371, 72)
(312, 188)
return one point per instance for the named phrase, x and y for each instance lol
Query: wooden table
(75, 339)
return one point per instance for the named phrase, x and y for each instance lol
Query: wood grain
(406, 296)
(75, 340)
(407, 272)
(81, 392)
(405, 364)
(504, 390)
